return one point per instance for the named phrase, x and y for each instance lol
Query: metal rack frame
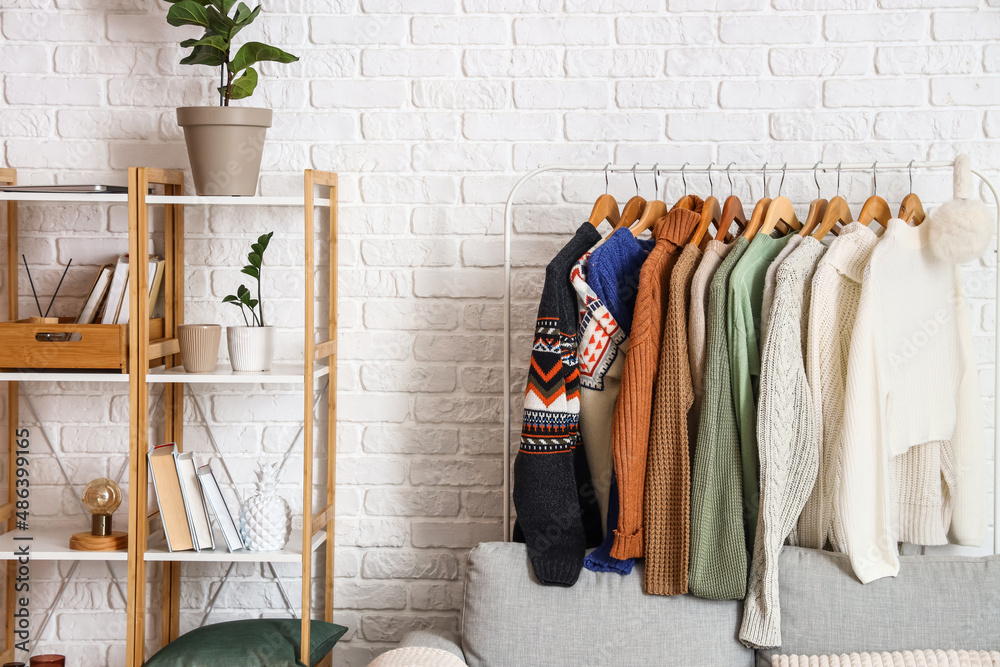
(714, 168)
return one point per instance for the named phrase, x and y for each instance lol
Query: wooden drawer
(66, 345)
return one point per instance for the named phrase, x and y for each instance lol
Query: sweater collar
(907, 235)
(676, 226)
(850, 251)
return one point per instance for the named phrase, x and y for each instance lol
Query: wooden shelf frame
(320, 190)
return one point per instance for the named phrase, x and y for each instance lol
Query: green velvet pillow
(259, 642)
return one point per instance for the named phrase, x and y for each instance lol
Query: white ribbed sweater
(911, 380)
(786, 439)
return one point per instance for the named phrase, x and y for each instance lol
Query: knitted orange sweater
(667, 509)
(630, 432)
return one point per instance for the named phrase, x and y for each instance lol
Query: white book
(194, 502)
(118, 291)
(210, 485)
(96, 295)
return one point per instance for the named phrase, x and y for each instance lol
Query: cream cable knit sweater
(836, 290)
(770, 280)
(911, 380)
(786, 440)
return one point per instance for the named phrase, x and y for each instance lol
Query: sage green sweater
(718, 568)
(746, 293)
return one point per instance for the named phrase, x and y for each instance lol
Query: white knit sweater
(911, 380)
(786, 435)
(836, 290)
(770, 280)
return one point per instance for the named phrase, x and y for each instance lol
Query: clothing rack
(719, 168)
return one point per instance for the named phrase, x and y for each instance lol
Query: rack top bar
(770, 166)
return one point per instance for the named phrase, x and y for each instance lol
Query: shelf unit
(320, 357)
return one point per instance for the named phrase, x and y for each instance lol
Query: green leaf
(254, 259)
(251, 271)
(244, 85)
(263, 240)
(187, 12)
(205, 55)
(212, 41)
(231, 299)
(257, 248)
(242, 12)
(255, 52)
(219, 23)
(252, 303)
(242, 291)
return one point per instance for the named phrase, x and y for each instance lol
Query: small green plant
(243, 298)
(239, 78)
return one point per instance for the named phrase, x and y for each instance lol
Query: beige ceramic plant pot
(224, 145)
(199, 346)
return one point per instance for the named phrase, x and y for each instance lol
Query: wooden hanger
(757, 218)
(633, 209)
(606, 206)
(779, 210)
(837, 211)
(875, 208)
(911, 210)
(711, 212)
(654, 211)
(732, 212)
(816, 208)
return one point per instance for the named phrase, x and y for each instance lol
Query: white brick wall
(430, 116)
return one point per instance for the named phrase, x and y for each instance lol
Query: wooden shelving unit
(158, 362)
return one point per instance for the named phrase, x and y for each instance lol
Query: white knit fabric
(836, 290)
(786, 438)
(715, 252)
(911, 380)
(417, 656)
(770, 280)
(950, 658)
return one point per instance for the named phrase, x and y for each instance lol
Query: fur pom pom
(960, 231)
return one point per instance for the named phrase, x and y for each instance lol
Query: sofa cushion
(940, 602)
(604, 619)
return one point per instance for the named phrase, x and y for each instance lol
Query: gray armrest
(432, 640)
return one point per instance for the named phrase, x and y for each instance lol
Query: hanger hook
(711, 182)
(684, 178)
(606, 167)
(874, 178)
(635, 179)
(784, 168)
(656, 180)
(763, 179)
(909, 168)
(838, 178)
(816, 178)
(730, 177)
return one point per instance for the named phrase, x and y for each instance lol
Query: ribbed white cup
(251, 349)
(199, 346)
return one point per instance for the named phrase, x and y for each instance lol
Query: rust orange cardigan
(630, 431)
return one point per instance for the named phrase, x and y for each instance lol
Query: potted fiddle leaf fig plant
(224, 143)
(251, 347)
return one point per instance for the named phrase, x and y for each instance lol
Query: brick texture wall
(430, 110)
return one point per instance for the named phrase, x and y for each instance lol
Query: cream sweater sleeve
(864, 502)
(968, 521)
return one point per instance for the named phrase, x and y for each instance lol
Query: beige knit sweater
(667, 502)
(714, 253)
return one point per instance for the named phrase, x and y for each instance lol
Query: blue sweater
(613, 273)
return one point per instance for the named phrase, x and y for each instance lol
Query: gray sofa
(509, 619)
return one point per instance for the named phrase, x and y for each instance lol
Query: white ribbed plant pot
(251, 349)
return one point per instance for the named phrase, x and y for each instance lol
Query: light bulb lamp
(101, 497)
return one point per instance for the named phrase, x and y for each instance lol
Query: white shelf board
(193, 200)
(53, 544)
(224, 374)
(96, 197)
(292, 553)
(62, 376)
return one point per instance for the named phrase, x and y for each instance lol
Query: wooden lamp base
(116, 541)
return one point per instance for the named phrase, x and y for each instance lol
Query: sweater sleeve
(864, 502)
(968, 522)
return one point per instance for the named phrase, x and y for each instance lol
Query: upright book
(213, 493)
(117, 292)
(169, 498)
(194, 502)
(96, 296)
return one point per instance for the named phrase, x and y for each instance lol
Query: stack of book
(108, 301)
(184, 494)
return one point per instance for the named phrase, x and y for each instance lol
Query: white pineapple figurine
(265, 518)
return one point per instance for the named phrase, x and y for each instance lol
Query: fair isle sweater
(911, 381)
(718, 568)
(787, 432)
(551, 477)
